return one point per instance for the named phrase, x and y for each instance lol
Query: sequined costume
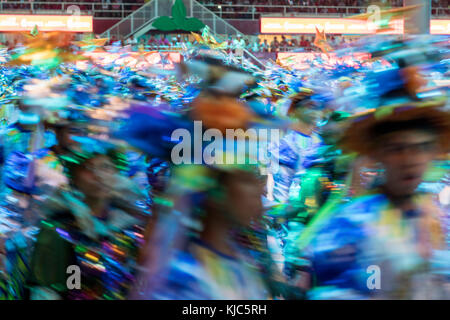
(369, 234)
(105, 249)
(16, 138)
(288, 161)
(19, 142)
(201, 273)
(15, 245)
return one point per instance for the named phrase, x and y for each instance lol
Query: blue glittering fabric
(369, 234)
(202, 273)
(288, 159)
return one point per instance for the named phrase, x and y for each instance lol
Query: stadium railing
(254, 12)
(235, 11)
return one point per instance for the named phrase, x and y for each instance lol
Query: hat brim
(358, 136)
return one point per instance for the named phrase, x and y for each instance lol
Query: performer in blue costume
(298, 145)
(288, 159)
(23, 138)
(391, 242)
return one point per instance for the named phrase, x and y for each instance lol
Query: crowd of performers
(353, 203)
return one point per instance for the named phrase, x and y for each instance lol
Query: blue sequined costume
(369, 237)
(288, 159)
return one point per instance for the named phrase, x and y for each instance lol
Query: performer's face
(64, 137)
(331, 132)
(309, 113)
(96, 177)
(405, 156)
(309, 116)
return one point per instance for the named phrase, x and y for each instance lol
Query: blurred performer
(288, 159)
(389, 243)
(323, 183)
(239, 46)
(27, 133)
(328, 170)
(89, 224)
(300, 142)
(23, 141)
(210, 263)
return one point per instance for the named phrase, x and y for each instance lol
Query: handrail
(217, 25)
(134, 21)
(156, 8)
(217, 18)
(254, 59)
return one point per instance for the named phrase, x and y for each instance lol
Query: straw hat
(359, 133)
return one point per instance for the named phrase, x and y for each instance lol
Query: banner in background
(65, 23)
(440, 26)
(330, 25)
(272, 25)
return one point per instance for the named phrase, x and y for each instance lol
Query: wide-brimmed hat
(218, 76)
(87, 148)
(359, 134)
(399, 94)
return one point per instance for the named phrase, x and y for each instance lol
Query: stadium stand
(253, 9)
(98, 8)
(227, 9)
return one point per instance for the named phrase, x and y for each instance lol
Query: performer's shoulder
(363, 206)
